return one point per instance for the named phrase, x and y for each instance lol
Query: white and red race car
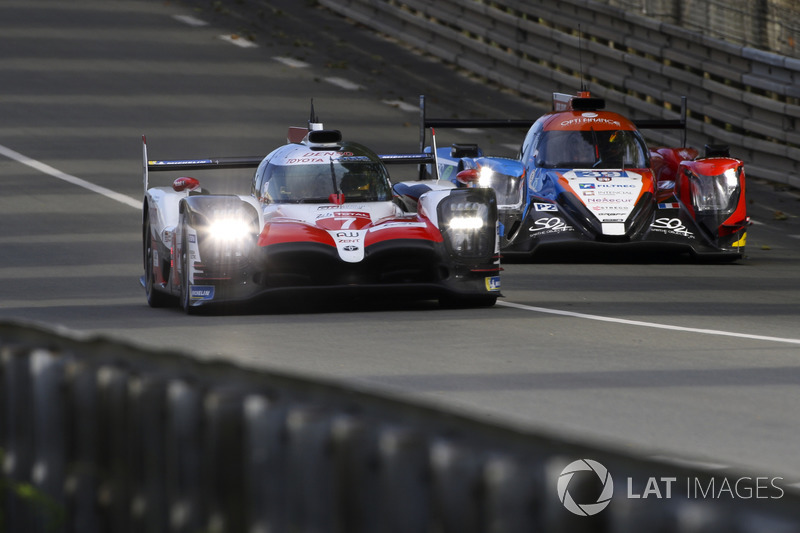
(321, 215)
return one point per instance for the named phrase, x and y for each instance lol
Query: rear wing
(558, 100)
(227, 163)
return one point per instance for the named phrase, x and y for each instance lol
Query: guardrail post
(513, 496)
(265, 449)
(309, 488)
(148, 456)
(183, 446)
(111, 434)
(405, 480)
(354, 456)
(49, 438)
(17, 434)
(82, 473)
(223, 460)
(457, 487)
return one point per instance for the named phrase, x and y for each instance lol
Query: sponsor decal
(192, 237)
(182, 162)
(672, 226)
(549, 225)
(584, 186)
(602, 175)
(312, 158)
(201, 292)
(493, 283)
(590, 120)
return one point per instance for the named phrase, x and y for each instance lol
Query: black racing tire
(185, 299)
(155, 297)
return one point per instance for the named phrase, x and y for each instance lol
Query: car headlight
(469, 222)
(229, 230)
(485, 176)
(715, 194)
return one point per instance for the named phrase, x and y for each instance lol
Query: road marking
(239, 41)
(344, 84)
(401, 105)
(54, 172)
(291, 62)
(190, 20)
(649, 324)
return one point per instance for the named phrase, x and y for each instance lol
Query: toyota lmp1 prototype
(585, 175)
(321, 215)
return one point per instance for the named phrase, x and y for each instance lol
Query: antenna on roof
(313, 120)
(580, 59)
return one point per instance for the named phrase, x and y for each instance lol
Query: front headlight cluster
(468, 222)
(227, 236)
(229, 230)
(715, 194)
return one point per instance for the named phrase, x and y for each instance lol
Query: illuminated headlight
(230, 230)
(718, 194)
(485, 177)
(468, 222)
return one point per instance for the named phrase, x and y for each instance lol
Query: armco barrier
(739, 96)
(98, 436)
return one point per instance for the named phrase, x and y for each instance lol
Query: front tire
(155, 298)
(186, 300)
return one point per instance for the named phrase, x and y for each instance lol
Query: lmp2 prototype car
(321, 214)
(585, 175)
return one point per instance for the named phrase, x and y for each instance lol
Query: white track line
(291, 62)
(344, 84)
(239, 41)
(190, 20)
(648, 324)
(47, 169)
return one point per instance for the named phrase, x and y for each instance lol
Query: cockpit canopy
(606, 149)
(298, 174)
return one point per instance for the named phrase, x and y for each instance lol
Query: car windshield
(609, 149)
(359, 178)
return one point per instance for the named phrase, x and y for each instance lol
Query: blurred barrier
(740, 96)
(99, 436)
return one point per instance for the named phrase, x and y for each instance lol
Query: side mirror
(468, 177)
(185, 183)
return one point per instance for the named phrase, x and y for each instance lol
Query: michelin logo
(201, 292)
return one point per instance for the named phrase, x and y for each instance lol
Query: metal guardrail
(736, 95)
(103, 437)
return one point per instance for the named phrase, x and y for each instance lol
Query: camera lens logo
(585, 509)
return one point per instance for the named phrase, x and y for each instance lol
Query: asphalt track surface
(657, 355)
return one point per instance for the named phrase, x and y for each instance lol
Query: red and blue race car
(585, 176)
